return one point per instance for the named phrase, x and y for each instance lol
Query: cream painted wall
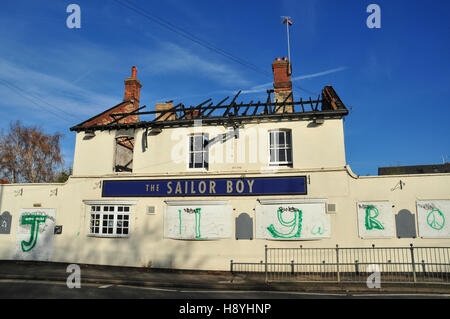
(146, 245)
(95, 155)
(319, 154)
(313, 147)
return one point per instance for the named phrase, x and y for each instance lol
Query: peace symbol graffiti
(436, 219)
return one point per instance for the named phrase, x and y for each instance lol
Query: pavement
(163, 278)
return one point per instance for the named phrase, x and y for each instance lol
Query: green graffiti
(436, 219)
(371, 222)
(34, 221)
(295, 223)
(198, 216)
(317, 230)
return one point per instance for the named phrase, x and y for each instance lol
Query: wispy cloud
(26, 89)
(169, 58)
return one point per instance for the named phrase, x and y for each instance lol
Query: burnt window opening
(123, 161)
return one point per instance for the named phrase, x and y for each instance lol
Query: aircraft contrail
(263, 87)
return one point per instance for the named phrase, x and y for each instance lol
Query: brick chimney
(133, 88)
(132, 92)
(164, 107)
(192, 114)
(282, 83)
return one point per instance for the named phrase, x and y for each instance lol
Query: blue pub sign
(248, 186)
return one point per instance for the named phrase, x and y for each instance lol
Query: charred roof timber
(326, 105)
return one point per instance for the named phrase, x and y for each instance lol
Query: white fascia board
(195, 202)
(110, 202)
(277, 201)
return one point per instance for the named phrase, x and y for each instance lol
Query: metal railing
(394, 264)
(247, 268)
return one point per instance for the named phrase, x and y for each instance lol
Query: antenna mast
(288, 22)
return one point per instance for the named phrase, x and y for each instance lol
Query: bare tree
(28, 155)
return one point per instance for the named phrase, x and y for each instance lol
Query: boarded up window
(405, 224)
(124, 154)
(432, 218)
(244, 227)
(5, 223)
(197, 220)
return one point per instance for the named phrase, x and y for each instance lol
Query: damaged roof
(328, 105)
(280, 106)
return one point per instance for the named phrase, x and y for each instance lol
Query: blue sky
(395, 79)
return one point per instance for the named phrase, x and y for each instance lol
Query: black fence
(390, 264)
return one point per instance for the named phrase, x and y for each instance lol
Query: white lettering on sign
(203, 187)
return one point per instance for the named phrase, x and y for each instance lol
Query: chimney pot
(133, 72)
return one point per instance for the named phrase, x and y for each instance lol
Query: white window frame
(121, 218)
(276, 147)
(204, 151)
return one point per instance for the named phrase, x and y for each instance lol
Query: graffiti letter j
(34, 221)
